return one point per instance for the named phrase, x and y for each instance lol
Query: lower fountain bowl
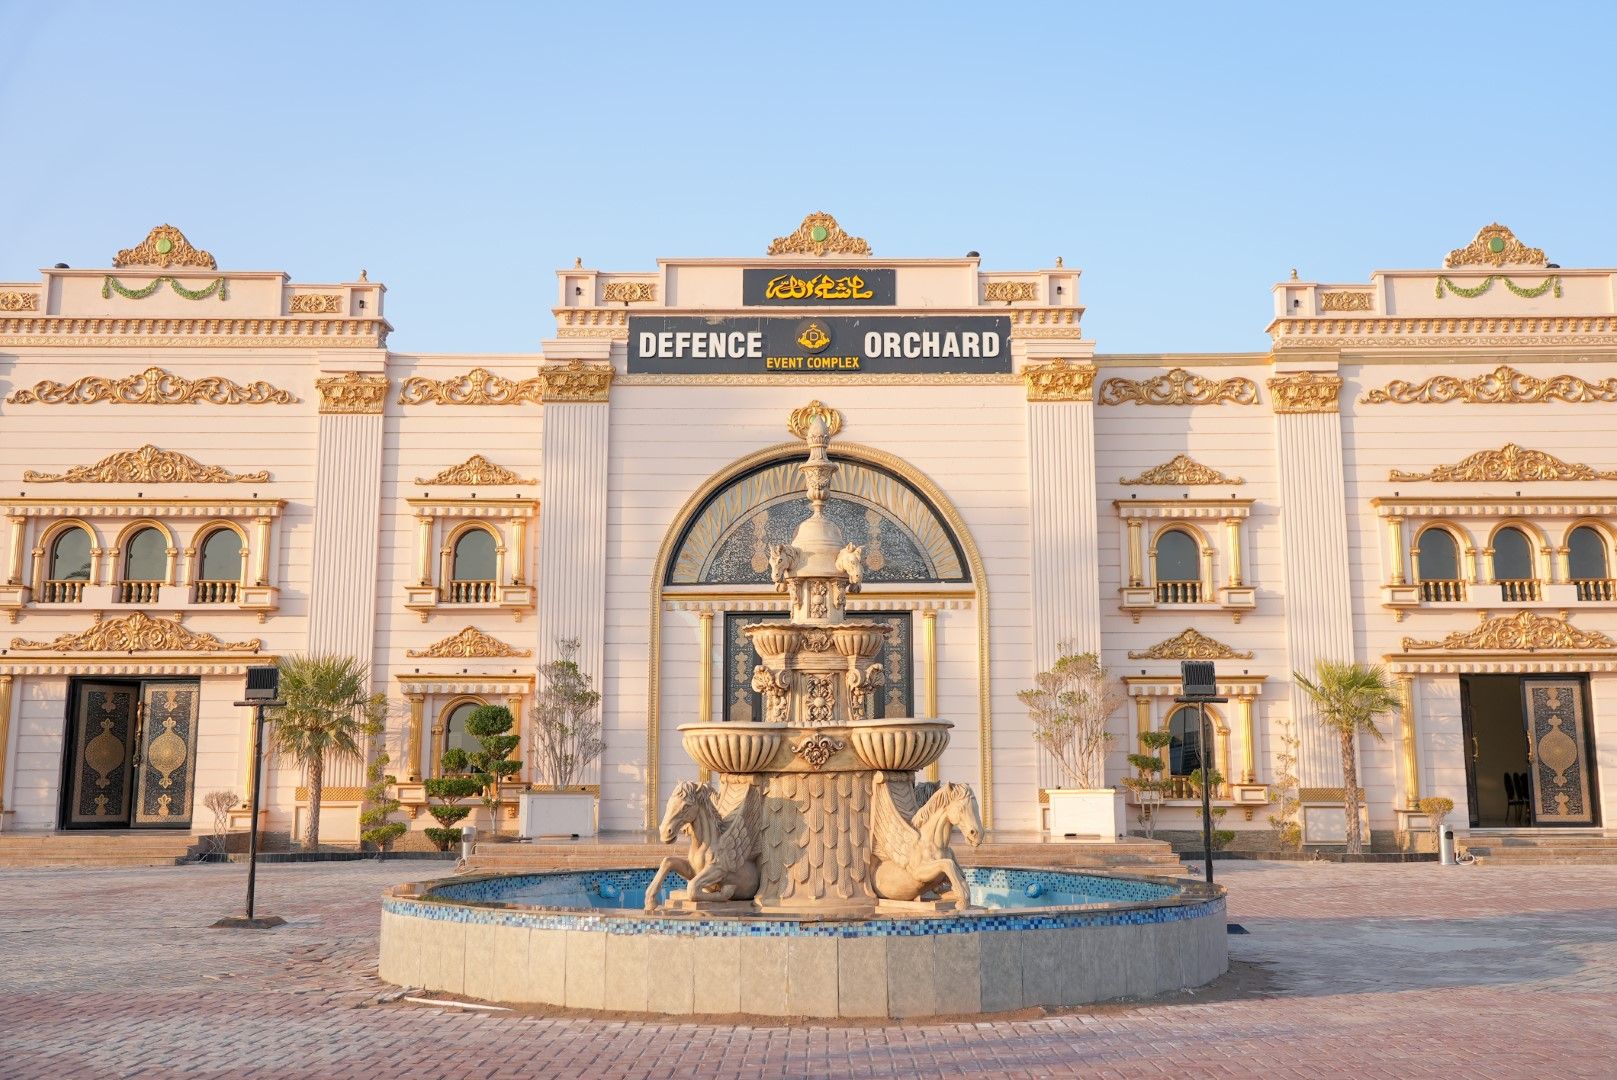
(899, 744)
(732, 748)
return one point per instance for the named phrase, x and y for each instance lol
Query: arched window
(1513, 565)
(145, 567)
(1437, 561)
(1177, 566)
(69, 567)
(1185, 749)
(455, 733)
(473, 568)
(219, 568)
(1586, 564)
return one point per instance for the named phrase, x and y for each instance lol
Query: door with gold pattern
(132, 754)
(165, 761)
(100, 782)
(1559, 751)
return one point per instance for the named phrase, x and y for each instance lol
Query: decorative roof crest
(819, 235)
(1495, 245)
(165, 246)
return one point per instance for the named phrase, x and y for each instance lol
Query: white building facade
(205, 469)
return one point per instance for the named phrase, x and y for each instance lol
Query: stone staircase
(1543, 847)
(132, 847)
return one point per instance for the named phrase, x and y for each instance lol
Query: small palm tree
(1348, 697)
(329, 709)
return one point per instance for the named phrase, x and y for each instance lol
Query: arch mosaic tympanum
(911, 533)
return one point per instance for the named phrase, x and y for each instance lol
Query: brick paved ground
(1362, 971)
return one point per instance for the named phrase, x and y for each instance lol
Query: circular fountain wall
(580, 939)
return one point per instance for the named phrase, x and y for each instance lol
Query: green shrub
(492, 762)
(379, 832)
(443, 794)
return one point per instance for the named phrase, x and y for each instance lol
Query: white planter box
(555, 813)
(1080, 812)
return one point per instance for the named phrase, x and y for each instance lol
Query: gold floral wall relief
(316, 304)
(352, 392)
(1509, 463)
(1011, 291)
(475, 471)
(154, 386)
(146, 465)
(629, 292)
(1346, 301)
(1182, 471)
(819, 235)
(19, 301)
(1190, 645)
(478, 386)
(1305, 392)
(1179, 387)
(1495, 245)
(1524, 631)
(470, 644)
(1060, 380)
(1502, 386)
(138, 632)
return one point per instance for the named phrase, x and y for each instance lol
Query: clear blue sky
(1184, 156)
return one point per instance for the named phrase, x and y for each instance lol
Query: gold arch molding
(845, 452)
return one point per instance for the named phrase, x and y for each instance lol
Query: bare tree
(566, 730)
(1070, 706)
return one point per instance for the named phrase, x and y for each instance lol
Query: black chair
(1516, 805)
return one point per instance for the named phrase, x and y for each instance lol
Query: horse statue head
(782, 557)
(851, 561)
(689, 800)
(952, 806)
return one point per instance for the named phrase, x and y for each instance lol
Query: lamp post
(1198, 685)
(263, 683)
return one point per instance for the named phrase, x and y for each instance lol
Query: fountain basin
(576, 939)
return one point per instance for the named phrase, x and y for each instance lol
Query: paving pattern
(1364, 971)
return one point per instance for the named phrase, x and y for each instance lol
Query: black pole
(252, 828)
(1207, 803)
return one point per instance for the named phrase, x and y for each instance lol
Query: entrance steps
(131, 847)
(1543, 847)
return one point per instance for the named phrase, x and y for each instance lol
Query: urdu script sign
(870, 286)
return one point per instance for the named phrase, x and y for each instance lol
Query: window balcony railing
(215, 592)
(138, 592)
(1596, 589)
(1519, 590)
(473, 592)
(1442, 591)
(63, 592)
(1179, 592)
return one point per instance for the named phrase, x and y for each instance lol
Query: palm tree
(1348, 697)
(329, 709)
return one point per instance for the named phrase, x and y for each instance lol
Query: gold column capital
(1060, 380)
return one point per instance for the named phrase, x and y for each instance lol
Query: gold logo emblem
(814, 338)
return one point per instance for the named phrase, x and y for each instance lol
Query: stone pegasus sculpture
(722, 863)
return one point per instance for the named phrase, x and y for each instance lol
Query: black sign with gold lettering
(802, 287)
(759, 344)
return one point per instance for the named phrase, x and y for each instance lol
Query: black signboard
(770, 287)
(757, 344)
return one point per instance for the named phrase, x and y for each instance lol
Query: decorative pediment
(470, 644)
(165, 246)
(134, 633)
(478, 386)
(1509, 463)
(1524, 631)
(1190, 645)
(1495, 245)
(1502, 386)
(1059, 380)
(475, 471)
(1179, 387)
(146, 465)
(154, 386)
(1181, 471)
(819, 235)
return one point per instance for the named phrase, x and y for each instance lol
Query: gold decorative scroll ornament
(1509, 463)
(1179, 387)
(165, 246)
(316, 304)
(1502, 386)
(478, 386)
(138, 632)
(798, 422)
(1011, 290)
(146, 465)
(154, 386)
(629, 292)
(475, 471)
(1495, 245)
(19, 301)
(819, 235)
(1524, 631)
(576, 381)
(470, 644)
(1190, 645)
(1346, 301)
(1059, 380)
(1182, 470)
(1305, 392)
(352, 392)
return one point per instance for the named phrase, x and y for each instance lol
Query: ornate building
(203, 469)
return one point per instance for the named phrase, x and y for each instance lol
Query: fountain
(819, 878)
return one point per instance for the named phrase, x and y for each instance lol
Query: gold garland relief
(19, 301)
(1509, 463)
(146, 465)
(1060, 380)
(165, 246)
(154, 386)
(819, 235)
(1179, 387)
(316, 304)
(1305, 392)
(475, 471)
(1502, 386)
(352, 392)
(629, 292)
(1190, 645)
(1524, 631)
(138, 632)
(1495, 245)
(478, 386)
(1181, 471)
(470, 644)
